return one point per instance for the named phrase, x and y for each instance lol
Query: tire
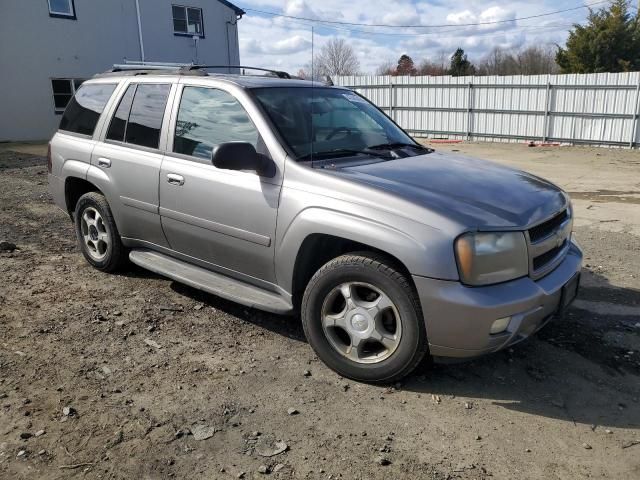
(99, 241)
(372, 283)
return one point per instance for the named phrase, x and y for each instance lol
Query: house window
(62, 8)
(63, 90)
(187, 20)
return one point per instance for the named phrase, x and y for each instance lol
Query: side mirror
(237, 156)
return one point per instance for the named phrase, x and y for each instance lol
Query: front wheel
(362, 317)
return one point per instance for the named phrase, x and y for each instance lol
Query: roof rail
(277, 73)
(142, 68)
(124, 68)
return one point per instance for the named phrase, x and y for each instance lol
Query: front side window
(62, 8)
(84, 109)
(323, 120)
(187, 20)
(208, 117)
(63, 90)
(139, 121)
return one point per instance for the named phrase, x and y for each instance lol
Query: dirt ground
(122, 376)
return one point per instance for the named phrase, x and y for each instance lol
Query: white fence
(597, 109)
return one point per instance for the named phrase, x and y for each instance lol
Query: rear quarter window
(84, 109)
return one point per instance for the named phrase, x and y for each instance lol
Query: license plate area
(569, 293)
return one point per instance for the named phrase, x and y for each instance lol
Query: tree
(336, 57)
(405, 66)
(498, 62)
(609, 42)
(537, 60)
(460, 65)
(387, 68)
(533, 60)
(435, 67)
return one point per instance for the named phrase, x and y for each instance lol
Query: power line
(453, 31)
(475, 24)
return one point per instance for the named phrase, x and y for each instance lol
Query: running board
(211, 282)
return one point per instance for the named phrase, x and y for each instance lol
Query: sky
(275, 42)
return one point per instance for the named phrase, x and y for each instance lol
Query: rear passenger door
(222, 217)
(130, 158)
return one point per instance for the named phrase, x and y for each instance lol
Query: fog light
(500, 325)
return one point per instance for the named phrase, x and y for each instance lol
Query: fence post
(634, 124)
(469, 109)
(391, 97)
(547, 108)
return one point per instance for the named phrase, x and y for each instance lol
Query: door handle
(104, 162)
(175, 179)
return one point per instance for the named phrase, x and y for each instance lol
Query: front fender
(423, 250)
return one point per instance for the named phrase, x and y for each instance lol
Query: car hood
(474, 192)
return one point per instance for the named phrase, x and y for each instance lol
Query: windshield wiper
(341, 151)
(391, 146)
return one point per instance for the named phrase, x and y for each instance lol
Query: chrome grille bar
(555, 237)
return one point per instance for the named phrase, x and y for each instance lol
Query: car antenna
(312, 93)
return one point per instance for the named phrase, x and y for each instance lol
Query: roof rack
(145, 68)
(129, 65)
(167, 68)
(277, 73)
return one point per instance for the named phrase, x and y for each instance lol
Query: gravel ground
(135, 376)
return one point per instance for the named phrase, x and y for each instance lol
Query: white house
(48, 47)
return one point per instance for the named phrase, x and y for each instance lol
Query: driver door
(224, 220)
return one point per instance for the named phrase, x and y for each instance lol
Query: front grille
(542, 260)
(548, 243)
(547, 228)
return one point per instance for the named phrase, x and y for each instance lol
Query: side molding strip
(217, 227)
(147, 207)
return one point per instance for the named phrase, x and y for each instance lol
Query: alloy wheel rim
(95, 234)
(361, 322)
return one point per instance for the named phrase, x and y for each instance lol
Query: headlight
(486, 258)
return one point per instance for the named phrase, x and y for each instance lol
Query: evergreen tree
(460, 64)
(609, 42)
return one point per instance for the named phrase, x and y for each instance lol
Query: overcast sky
(283, 43)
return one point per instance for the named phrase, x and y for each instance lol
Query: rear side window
(118, 126)
(208, 117)
(146, 115)
(138, 118)
(139, 121)
(84, 109)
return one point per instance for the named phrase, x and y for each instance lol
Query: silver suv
(299, 198)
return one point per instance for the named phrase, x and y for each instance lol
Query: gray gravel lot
(135, 376)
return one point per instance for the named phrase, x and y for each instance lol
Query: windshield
(323, 121)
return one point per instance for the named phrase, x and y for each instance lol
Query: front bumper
(459, 318)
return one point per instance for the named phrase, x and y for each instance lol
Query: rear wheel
(97, 233)
(362, 317)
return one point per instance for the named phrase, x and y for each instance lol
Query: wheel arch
(74, 188)
(319, 248)
(317, 235)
